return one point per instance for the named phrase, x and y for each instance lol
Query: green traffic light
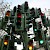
(35, 29)
(41, 41)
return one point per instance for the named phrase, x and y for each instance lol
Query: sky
(32, 3)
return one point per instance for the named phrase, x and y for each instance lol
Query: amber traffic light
(8, 13)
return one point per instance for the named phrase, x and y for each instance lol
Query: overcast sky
(32, 3)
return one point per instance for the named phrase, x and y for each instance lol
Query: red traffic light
(19, 15)
(42, 14)
(19, 20)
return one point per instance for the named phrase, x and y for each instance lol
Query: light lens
(41, 41)
(5, 42)
(8, 13)
(30, 47)
(35, 29)
(19, 15)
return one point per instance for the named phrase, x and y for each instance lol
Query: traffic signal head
(40, 25)
(19, 20)
(25, 6)
(19, 9)
(34, 26)
(19, 6)
(27, 22)
(30, 45)
(45, 31)
(6, 39)
(39, 11)
(32, 12)
(7, 15)
(39, 34)
(14, 9)
(12, 19)
(41, 41)
(44, 20)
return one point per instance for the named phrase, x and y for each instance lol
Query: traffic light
(35, 29)
(19, 16)
(19, 20)
(32, 13)
(6, 18)
(7, 15)
(28, 21)
(1, 22)
(36, 13)
(12, 17)
(26, 6)
(41, 41)
(44, 20)
(19, 9)
(5, 45)
(39, 11)
(5, 42)
(34, 25)
(14, 10)
(39, 25)
(45, 31)
(30, 45)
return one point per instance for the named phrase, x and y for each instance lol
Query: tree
(4, 6)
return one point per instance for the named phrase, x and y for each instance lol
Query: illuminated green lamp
(41, 41)
(35, 29)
